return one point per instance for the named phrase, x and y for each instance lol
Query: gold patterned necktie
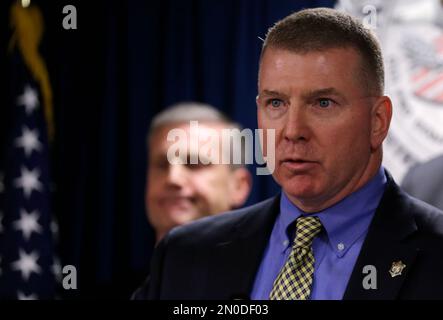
(294, 281)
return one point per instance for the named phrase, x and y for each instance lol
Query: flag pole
(27, 24)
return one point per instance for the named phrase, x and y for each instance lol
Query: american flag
(28, 268)
(426, 59)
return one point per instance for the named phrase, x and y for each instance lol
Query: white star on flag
(26, 264)
(28, 141)
(57, 269)
(29, 99)
(22, 296)
(28, 223)
(28, 181)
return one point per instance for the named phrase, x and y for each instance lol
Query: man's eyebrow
(160, 157)
(272, 93)
(321, 92)
(309, 95)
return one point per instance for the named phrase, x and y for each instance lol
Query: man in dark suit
(425, 181)
(341, 228)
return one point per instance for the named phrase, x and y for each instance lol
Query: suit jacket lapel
(234, 262)
(385, 244)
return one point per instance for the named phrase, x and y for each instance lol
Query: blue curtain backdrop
(124, 63)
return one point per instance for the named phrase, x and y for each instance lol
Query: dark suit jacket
(425, 181)
(218, 257)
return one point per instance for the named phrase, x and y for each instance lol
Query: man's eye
(324, 103)
(275, 103)
(197, 165)
(161, 165)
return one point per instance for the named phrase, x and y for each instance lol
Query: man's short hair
(189, 111)
(184, 112)
(323, 28)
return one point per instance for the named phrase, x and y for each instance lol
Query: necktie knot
(307, 229)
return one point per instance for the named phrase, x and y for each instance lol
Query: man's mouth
(298, 164)
(177, 201)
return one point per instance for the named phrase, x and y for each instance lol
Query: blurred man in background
(180, 193)
(425, 181)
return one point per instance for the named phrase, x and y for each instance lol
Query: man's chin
(181, 217)
(300, 191)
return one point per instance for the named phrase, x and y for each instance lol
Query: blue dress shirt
(335, 249)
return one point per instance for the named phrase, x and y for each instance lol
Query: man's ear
(381, 119)
(241, 185)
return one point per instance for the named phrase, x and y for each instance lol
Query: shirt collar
(344, 222)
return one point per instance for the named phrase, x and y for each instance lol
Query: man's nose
(297, 127)
(177, 175)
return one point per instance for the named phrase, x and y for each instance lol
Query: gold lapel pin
(397, 268)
